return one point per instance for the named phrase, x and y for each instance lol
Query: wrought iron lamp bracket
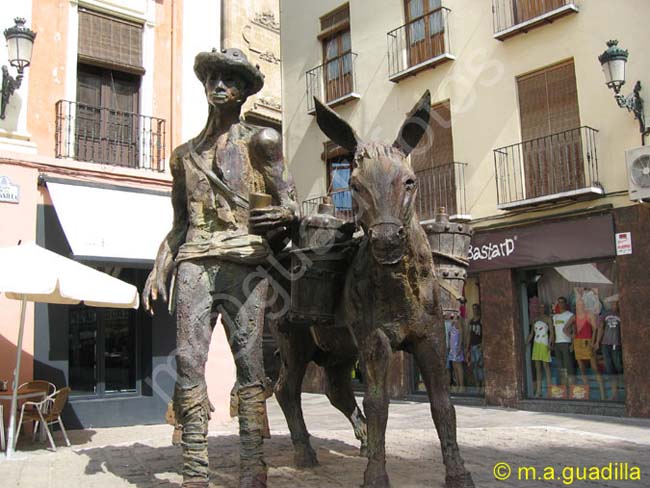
(9, 86)
(634, 103)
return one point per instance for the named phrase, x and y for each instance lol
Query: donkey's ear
(334, 127)
(415, 125)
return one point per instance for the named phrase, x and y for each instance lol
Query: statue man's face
(224, 88)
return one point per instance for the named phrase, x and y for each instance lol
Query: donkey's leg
(296, 350)
(339, 391)
(430, 358)
(376, 353)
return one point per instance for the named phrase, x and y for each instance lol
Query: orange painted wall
(18, 222)
(167, 80)
(47, 71)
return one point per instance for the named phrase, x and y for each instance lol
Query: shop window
(572, 328)
(464, 347)
(104, 345)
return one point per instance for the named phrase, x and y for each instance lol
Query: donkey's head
(382, 181)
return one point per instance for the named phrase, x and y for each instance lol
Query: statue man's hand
(157, 282)
(263, 220)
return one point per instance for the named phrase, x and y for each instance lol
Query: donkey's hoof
(305, 458)
(460, 481)
(195, 484)
(363, 450)
(381, 481)
(253, 481)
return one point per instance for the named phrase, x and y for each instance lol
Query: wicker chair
(45, 386)
(48, 412)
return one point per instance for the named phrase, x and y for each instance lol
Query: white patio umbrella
(29, 272)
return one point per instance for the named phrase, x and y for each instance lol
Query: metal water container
(449, 243)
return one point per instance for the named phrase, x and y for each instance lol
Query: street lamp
(613, 62)
(20, 41)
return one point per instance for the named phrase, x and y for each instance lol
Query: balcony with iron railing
(555, 167)
(512, 17)
(419, 44)
(333, 82)
(106, 136)
(341, 199)
(440, 186)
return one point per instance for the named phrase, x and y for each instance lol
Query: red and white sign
(623, 243)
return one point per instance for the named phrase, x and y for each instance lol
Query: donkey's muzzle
(387, 242)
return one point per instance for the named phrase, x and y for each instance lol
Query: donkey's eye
(354, 187)
(409, 184)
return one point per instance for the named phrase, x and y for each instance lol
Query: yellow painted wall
(480, 84)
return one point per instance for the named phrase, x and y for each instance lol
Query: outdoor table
(24, 394)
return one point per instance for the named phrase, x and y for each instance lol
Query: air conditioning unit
(638, 172)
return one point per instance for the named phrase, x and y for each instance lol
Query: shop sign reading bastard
(543, 244)
(9, 192)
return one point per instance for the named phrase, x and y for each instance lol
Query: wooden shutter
(548, 101)
(551, 139)
(437, 146)
(107, 122)
(110, 42)
(335, 21)
(433, 163)
(528, 9)
(424, 30)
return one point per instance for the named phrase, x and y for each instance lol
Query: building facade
(527, 144)
(84, 148)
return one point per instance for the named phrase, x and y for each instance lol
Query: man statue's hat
(229, 60)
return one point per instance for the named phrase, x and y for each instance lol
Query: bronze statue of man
(216, 247)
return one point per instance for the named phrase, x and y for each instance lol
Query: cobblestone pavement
(142, 455)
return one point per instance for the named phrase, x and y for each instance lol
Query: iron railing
(332, 81)
(341, 199)
(107, 136)
(509, 13)
(557, 164)
(441, 186)
(419, 41)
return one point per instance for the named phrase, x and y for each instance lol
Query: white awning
(583, 273)
(112, 224)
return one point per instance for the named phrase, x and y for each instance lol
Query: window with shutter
(337, 53)
(529, 9)
(433, 163)
(108, 84)
(339, 168)
(110, 42)
(550, 122)
(425, 30)
(107, 121)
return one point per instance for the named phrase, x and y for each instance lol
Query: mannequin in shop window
(455, 342)
(474, 350)
(563, 343)
(609, 339)
(584, 331)
(542, 333)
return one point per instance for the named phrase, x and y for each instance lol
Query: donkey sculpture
(390, 302)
